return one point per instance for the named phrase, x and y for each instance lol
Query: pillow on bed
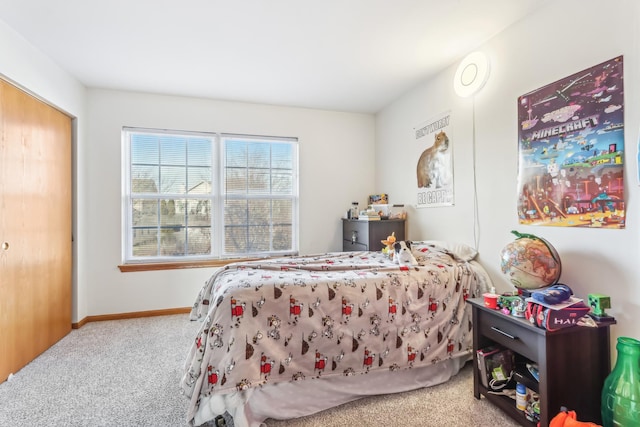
(461, 250)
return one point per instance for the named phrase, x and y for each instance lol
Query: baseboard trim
(133, 315)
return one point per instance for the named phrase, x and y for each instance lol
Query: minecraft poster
(571, 150)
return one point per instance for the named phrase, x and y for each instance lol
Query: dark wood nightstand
(572, 362)
(360, 235)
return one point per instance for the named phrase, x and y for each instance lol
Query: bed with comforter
(287, 337)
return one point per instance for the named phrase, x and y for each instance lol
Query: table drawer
(357, 226)
(348, 246)
(509, 333)
(356, 232)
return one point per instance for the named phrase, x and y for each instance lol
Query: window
(197, 196)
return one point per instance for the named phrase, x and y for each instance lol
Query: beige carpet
(126, 373)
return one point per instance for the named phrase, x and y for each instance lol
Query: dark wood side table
(573, 363)
(360, 235)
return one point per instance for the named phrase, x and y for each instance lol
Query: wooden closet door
(35, 227)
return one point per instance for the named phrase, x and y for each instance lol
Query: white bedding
(328, 329)
(284, 401)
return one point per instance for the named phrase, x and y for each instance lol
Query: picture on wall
(434, 171)
(571, 150)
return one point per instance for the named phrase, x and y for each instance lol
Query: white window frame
(217, 198)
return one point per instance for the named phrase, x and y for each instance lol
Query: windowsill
(129, 268)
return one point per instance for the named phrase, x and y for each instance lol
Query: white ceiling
(345, 55)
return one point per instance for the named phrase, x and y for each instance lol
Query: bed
(287, 337)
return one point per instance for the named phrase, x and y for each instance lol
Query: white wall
(34, 72)
(336, 157)
(564, 38)
(335, 168)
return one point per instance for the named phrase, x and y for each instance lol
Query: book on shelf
(527, 374)
(369, 217)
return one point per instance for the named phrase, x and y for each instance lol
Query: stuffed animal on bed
(403, 253)
(388, 245)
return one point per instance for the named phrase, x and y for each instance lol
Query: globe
(530, 262)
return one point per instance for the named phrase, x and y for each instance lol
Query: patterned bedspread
(347, 313)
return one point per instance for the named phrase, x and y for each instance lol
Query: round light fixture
(472, 74)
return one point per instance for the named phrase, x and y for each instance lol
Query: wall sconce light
(471, 75)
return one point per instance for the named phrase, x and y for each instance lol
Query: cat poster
(571, 150)
(434, 169)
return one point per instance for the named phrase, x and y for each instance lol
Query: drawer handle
(504, 333)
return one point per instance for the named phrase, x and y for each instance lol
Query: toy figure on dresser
(403, 253)
(512, 304)
(598, 304)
